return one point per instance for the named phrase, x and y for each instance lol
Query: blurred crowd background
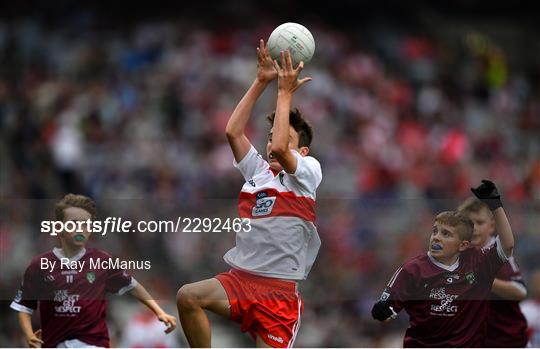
(411, 103)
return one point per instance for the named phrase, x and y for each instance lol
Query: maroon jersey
(446, 304)
(71, 299)
(506, 324)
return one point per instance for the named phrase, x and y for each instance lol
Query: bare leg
(192, 300)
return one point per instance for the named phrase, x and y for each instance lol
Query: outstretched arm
(288, 83)
(144, 297)
(487, 192)
(238, 141)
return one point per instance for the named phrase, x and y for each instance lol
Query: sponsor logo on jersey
(60, 295)
(251, 182)
(263, 205)
(48, 278)
(69, 302)
(445, 308)
(274, 338)
(91, 277)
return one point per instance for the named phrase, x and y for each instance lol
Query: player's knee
(187, 298)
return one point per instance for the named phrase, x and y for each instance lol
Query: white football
(295, 38)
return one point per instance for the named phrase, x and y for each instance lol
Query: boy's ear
(464, 245)
(304, 151)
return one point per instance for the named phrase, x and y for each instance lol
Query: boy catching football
(444, 290)
(260, 291)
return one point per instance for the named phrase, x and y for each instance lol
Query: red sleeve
(28, 294)
(398, 289)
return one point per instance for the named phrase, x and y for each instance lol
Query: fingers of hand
(173, 322)
(35, 342)
(276, 65)
(301, 82)
(304, 80)
(288, 60)
(264, 48)
(282, 58)
(169, 328)
(170, 323)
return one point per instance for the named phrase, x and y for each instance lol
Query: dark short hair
(463, 224)
(300, 125)
(73, 200)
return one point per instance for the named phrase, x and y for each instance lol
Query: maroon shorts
(265, 307)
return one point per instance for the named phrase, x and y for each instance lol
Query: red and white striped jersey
(283, 241)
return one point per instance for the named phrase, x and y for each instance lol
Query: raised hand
(265, 66)
(487, 193)
(287, 75)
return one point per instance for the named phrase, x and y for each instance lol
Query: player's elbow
(231, 133)
(508, 250)
(520, 296)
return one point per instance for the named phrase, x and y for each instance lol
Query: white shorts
(75, 343)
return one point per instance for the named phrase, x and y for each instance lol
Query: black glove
(487, 193)
(381, 310)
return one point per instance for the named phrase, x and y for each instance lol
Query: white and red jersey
(283, 241)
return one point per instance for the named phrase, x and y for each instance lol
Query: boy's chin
(478, 241)
(76, 243)
(436, 253)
